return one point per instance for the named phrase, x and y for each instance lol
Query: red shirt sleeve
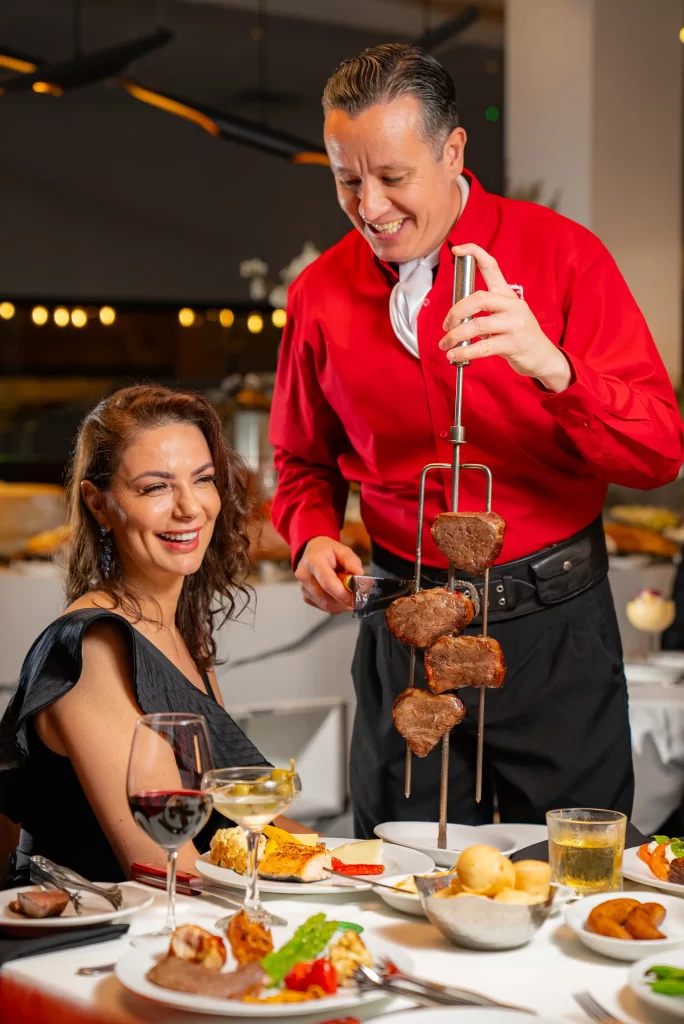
(307, 436)
(620, 411)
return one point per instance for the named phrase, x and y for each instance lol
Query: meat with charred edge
(422, 718)
(471, 540)
(423, 617)
(676, 871)
(454, 661)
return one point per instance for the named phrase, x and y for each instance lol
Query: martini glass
(252, 797)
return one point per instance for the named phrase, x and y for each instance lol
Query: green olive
(284, 789)
(240, 789)
(280, 774)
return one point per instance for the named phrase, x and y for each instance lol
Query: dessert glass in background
(169, 755)
(252, 798)
(586, 847)
(651, 613)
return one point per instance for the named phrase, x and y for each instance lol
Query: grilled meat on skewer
(471, 540)
(423, 617)
(422, 718)
(454, 661)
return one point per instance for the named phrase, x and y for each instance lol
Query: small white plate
(636, 870)
(93, 909)
(422, 836)
(466, 1015)
(396, 859)
(406, 902)
(638, 985)
(135, 963)
(621, 949)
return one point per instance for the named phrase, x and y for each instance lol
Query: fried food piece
(605, 926)
(534, 877)
(471, 540)
(228, 849)
(640, 926)
(454, 661)
(184, 976)
(249, 940)
(422, 718)
(346, 955)
(484, 871)
(422, 618)
(655, 912)
(615, 910)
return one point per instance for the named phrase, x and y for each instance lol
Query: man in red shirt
(564, 393)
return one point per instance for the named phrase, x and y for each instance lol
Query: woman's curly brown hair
(208, 597)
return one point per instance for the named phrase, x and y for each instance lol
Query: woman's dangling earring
(106, 553)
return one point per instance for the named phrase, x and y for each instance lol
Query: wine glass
(252, 797)
(169, 755)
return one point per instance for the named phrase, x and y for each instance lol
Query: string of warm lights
(78, 317)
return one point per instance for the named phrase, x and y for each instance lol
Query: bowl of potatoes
(487, 901)
(627, 925)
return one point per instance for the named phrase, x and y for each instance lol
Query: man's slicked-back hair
(383, 73)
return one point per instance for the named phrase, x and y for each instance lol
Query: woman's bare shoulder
(94, 599)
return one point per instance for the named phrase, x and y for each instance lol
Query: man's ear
(94, 499)
(454, 149)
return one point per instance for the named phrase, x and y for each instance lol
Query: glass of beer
(586, 847)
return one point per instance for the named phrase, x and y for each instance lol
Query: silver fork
(593, 1008)
(431, 992)
(390, 970)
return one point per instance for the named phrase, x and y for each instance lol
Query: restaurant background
(134, 246)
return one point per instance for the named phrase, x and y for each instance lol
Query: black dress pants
(556, 734)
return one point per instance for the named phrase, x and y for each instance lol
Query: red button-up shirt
(351, 403)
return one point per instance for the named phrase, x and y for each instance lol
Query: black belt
(528, 584)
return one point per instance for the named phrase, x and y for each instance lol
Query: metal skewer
(464, 283)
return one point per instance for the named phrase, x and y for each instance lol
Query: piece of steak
(423, 718)
(471, 540)
(39, 903)
(675, 872)
(454, 661)
(423, 617)
(184, 976)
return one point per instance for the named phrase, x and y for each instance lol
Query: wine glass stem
(252, 903)
(171, 858)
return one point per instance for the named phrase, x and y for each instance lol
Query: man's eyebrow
(383, 167)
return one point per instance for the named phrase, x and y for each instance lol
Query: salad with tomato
(665, 858)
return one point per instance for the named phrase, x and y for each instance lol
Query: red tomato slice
(298, 978)
(644, 854)
(323, 974)
(659, 865)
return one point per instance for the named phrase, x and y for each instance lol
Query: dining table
(541, 976)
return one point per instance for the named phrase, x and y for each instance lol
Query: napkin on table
(15, 948)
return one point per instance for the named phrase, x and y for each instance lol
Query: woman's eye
(207, 480)
(153, 488)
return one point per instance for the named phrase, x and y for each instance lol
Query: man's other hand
(321, 587)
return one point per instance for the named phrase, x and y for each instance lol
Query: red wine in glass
(169, 755)
(171, 817)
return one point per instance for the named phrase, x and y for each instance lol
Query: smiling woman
(159, 507)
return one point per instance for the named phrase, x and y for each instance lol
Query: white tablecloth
(542, 975)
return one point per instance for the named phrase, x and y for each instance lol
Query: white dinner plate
(620, 949)
(637, 871)
(422, 836)
(93, 910)
(637, 981)
(396, 859)
(135, 963)
(466, 1015)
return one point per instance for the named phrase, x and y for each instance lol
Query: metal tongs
(46, 872)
